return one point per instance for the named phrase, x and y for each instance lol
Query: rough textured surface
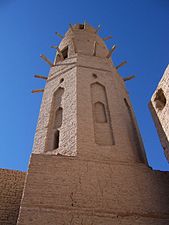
(78, 131)
(93, 170)
(159, 107)
(11, 188)
(67, 190)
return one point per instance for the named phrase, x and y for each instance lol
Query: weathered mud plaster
(159, 107)
(88, 164)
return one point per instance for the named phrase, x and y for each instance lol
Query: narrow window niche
(160, 99)
(64, 52)
(56, 139)
(57, 124)
(55, 121)
(101, 115)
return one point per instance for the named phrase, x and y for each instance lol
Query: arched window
(55, 121)
(64, 53)
(103, 132)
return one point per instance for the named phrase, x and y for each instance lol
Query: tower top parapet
(82, 39)
(84, 26)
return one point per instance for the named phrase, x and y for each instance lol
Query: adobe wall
(124, 136)
(159, 107)
(11, 188)
(77, 113)
(97, 174)
(70, 191)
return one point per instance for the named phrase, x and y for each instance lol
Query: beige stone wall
(67, 142)
(68, 190)
(124, 147)
(98, 174)
(76, 75)
(11, 187)
(159, 107)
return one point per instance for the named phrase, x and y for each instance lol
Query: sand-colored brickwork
(159, 107)
(11, 188)
(63, 190)
(86, 81)
(88, 165)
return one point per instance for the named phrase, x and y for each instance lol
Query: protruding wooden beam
(74, 45)
(40, 77)
(38, 90)
(121, 64)
(54, 46)
(94, 48)
(128, 78)
(111, 51)
(59, 35)
(107, 38)
(98, 28)
(46, 60)
(85, 25)
(71, 27)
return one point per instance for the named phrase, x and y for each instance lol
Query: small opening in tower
(81, 26)
(56, 140)
(61, 80)
(160, 99)
(65, 52)
(94, 75)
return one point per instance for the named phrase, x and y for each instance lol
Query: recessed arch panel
(100, 112)
(55, 121)
(101, 115)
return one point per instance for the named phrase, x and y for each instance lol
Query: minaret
(159, 107)
(87, 153)
(86, 111)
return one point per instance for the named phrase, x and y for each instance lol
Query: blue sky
(140, 29)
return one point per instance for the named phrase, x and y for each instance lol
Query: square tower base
(70, 191)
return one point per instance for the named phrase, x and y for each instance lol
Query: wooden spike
(54, 46)
(46, 60)
(71, 27)
(59, 35)
(60, 53)
(41, 77)
(98, 28)
(128, 78)
(94, 49)
(74, 45)
(55, 60)
(121, 64)
(85, 25)
(107, 38)
(38, 90)
(111, 51)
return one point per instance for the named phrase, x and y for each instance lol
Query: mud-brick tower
(88, 165)
(159, 107)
